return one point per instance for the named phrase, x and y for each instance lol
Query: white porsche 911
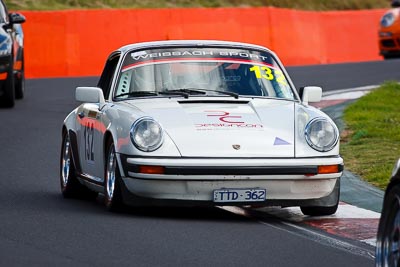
(200, 123)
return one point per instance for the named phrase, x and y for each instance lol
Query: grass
(370, 143)
(295, 4)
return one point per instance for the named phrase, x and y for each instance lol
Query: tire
(70, 186)
(8, 98)
(388, 238)
(112, 187)
(319, 211)
(20, 83)
(325, 210)
(391, 56)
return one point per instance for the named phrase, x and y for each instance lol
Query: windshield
(201, 71)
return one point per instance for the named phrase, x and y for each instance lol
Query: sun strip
(224, 60)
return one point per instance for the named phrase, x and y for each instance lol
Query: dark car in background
(388, 239)
(12, 78)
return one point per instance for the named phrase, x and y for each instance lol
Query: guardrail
(77, 42)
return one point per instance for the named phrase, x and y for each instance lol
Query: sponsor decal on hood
(226, 119)
(258, 128)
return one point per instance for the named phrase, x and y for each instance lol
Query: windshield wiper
(188, 91)
(153, 93)
(235, 95)
(204, 91)
(138, 93)
(183, 93)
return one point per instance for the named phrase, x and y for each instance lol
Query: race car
(198, 123)
(388, 242)
(12, 78)
(389, 32)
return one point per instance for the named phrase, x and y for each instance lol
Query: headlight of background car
(146, 134)
(387, 20)
(321, 134)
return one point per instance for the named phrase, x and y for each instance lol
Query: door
(93, 123)
(90, 132)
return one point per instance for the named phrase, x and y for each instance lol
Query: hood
(224, 128)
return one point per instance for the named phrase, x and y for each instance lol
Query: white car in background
(200, 123)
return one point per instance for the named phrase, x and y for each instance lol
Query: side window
(106, 77)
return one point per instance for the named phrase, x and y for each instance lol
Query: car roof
(183, 43)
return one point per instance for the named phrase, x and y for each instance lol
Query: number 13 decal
(267, 73)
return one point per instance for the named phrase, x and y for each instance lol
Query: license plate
(239, 195)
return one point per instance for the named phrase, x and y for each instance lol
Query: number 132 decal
(269, 74)
(89, 141)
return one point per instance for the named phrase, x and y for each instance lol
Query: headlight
(146, 134)
(387, 20)
(321, 134)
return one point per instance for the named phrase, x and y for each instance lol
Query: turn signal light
(18, 65)
(325, 169)
(151, 169)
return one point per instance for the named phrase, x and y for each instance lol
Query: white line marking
(300, 231)
(370, 241)
(347, 90)
(325, 240)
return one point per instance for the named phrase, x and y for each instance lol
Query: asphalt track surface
(343, 76)
(40, 228)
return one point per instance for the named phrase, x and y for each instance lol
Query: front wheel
(8, 97)
(112, 188)
(319, 211)
(387, 57)
(20, 81)
(388, 239)
(70, 186)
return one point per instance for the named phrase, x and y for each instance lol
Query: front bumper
(288, 182)
(5, 64)
(389, 46)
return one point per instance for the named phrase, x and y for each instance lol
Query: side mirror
(89, 95)
(310, 94)
(16, 18)
(395, 3)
